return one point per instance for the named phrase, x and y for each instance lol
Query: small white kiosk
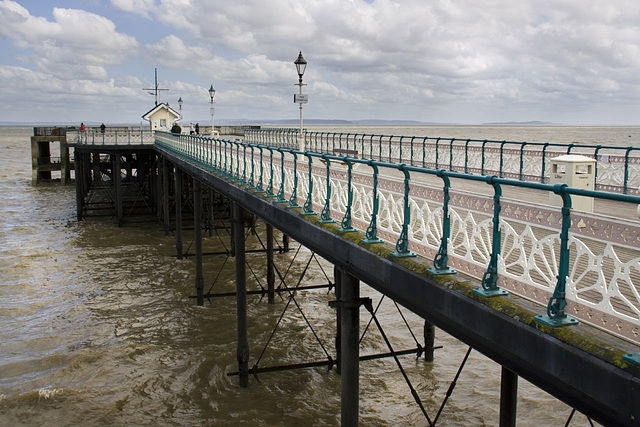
(577, 172)
(161, 117)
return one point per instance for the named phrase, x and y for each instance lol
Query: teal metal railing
(221, 161)
(525, 161)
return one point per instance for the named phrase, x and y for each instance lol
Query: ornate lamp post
(212, 93)
(301, 66)
(180, 106)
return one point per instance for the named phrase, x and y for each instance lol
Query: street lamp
(212, 93)
(180, 105)
(301, 66)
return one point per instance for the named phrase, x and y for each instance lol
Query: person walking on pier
(197, 128)
(102, 128)
(82, 127)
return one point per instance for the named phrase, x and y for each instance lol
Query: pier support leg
(350, 369)
(77, 163)
(285, 243)
(117, 182)
(96, 167)
(197, 217)
(178, 176)
(210, 212)
(337, 278)
(508, 398)
(157, 170)
(429, 340)
(232, 234)
(241, 296)
(165, 195)
(271, 277)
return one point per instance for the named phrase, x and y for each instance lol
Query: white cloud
(407, 57)
(76, 44)
(140, 7)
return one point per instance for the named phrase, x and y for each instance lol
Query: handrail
(556, 315)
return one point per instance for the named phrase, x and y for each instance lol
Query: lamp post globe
(301, 66)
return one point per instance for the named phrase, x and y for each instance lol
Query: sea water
(97, 327)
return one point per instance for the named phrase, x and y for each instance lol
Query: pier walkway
(550, 293)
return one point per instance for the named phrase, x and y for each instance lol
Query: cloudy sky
(460, 61)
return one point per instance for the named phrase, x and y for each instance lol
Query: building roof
(149, 113)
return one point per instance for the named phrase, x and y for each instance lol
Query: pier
(515, 281)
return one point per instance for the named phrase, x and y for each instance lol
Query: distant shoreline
(322, 122)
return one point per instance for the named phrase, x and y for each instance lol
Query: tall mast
(155, 89)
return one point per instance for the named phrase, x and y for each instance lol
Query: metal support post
(96, 166)
(429, 340)
(508, 398)
(337, 278)
(159, 192)
(241, 297)
(285, 243)
(178, 175)
(232, 236)
(271, 277)
(117, 181)
(197, 218)
(77, 164)
(350, 369)
(153, 184)
(165, 195)
(210, 212)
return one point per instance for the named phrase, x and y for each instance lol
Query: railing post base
(489, 293)
(442, 271)
(368, 241)
(406, 254)
(632, 357)
(555, 322)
